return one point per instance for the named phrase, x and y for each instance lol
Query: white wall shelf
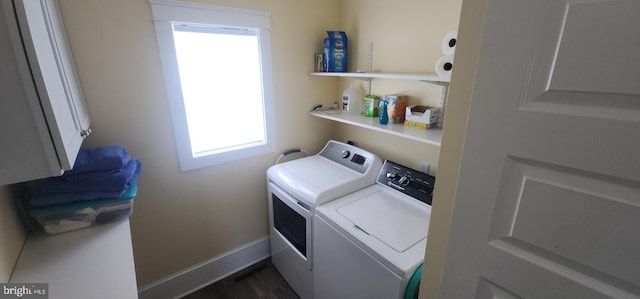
(429, 78)
(430, 136)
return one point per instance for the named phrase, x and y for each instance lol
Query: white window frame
(166, 13)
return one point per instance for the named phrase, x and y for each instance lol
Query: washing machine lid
(393, 220)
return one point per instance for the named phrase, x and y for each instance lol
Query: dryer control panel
(350, 156)
(414, 183)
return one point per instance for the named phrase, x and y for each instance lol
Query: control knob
(345, 154)
(403, 181)
(391, 175)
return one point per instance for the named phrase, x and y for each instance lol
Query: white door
(548, 198)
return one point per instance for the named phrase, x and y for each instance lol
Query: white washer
(295, 188)
(369, 244)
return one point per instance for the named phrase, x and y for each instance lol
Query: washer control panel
(416, 184)
(348, 155)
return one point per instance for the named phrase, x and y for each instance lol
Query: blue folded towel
(96, 181)
(100, 158)
(98, 173)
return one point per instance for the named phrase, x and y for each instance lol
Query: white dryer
(295, 188)
(371, 243)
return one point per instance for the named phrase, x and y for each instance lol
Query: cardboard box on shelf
(336, 52)
(423, 117)
(370, 106)
(396, 107)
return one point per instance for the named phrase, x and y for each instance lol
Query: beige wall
(181, 219)
(12, 235)
(406, 37)
(461, 89)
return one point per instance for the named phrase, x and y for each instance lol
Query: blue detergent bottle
(384, 116)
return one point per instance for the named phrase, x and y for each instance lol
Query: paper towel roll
(449, 43)
(444, 66)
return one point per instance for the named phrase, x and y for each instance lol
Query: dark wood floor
(260, 281)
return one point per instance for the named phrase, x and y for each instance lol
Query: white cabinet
(431, 136)
(43, 117)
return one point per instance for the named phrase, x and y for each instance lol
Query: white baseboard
(207, 272)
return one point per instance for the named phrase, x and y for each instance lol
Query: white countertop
(95, 262)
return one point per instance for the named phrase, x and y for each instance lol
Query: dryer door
(291, 224)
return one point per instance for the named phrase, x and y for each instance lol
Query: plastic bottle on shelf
(351, 101)
(384, 115)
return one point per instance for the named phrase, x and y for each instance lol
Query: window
(217, 70)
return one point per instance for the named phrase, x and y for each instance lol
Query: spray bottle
(384, 115)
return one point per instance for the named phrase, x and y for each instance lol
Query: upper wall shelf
(429, 78)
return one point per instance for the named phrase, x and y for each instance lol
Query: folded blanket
(108, 180)
(100, 158)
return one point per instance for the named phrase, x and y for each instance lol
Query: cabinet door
(58, 39)
(54, 76)
(43, 118)
(26, 150)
